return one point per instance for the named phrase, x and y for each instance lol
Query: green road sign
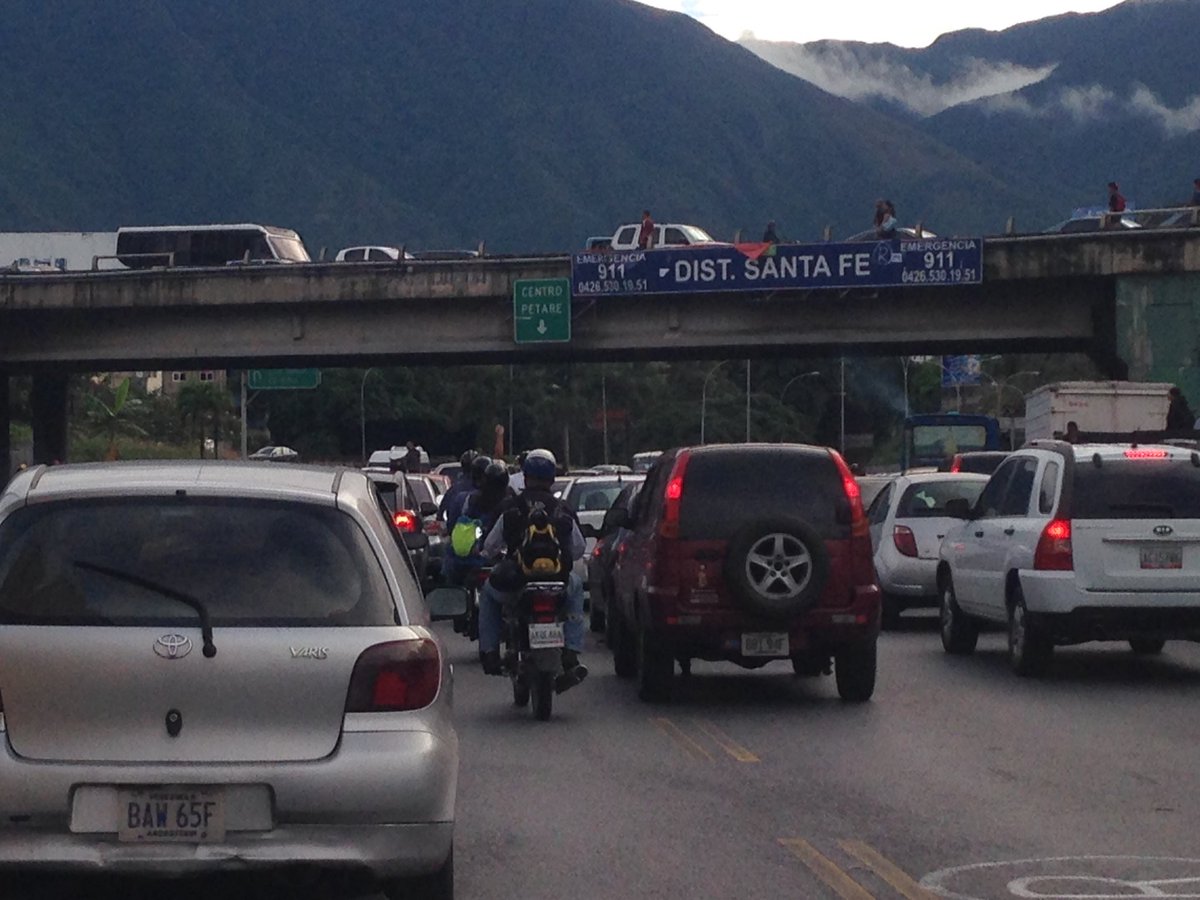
(284, 379)
(542, 310)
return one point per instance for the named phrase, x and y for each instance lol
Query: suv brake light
(1054, 547)
(406, 521)
(396, 676)
(858, 519)
(1145, 453)
(956, 463)
(674, 497)
(905, 540)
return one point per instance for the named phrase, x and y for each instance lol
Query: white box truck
(1109, 407)
(63, 251)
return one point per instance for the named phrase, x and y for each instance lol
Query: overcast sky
(907, 24)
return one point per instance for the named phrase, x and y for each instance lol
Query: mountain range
(531, 124)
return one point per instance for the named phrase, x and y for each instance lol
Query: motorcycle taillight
(544, 603)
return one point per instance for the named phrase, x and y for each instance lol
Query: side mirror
(589, 531)
(959, 508)
(615, 518)
(416, 540)
(428, 509)
(447, 603)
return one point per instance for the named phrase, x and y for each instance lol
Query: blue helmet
(540, 464)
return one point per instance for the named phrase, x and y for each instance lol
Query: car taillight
(406, 521)
(396, 676)
(2, 728)
(905, 540)
(597, 550)
(1054, 547)
(435, 527)
(674, 497)
(956, 463)
(1145, 453)
(858, 520)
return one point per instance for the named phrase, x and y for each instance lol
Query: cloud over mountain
(861, 72)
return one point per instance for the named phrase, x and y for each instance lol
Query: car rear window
(251, 563)
(923, 501)
(1136, 489)
(594, 495)
(725, 491)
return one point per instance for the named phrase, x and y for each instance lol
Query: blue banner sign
(767, 267)
(960, 370)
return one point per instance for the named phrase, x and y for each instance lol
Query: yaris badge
(173, 646)
(1163, 530)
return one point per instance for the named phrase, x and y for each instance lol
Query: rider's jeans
(490, 604)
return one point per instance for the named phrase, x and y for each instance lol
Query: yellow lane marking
(826, 870)
(675, 733)
(886, 869)
(726, 743)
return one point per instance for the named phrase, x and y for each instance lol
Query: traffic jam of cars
(321, 586)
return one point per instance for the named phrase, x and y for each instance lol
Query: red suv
(747, 553)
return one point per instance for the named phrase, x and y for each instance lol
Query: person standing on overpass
(1116, 204)
(770, 236)
(646, 232)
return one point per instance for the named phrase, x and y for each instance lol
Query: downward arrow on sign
(542, 329)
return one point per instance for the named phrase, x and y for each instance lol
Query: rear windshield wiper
(206, 632)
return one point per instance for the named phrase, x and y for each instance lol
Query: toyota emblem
(1163, 530)
(173, 646)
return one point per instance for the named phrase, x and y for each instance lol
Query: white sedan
(908, 521)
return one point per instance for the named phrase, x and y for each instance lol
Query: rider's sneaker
(572, 674)
(491, 662)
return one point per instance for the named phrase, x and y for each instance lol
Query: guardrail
(169, 256)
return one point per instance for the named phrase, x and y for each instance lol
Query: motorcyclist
(463, 484)
(539, 469)
(484, 505)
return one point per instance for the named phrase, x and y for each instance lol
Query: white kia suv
(1070, 543)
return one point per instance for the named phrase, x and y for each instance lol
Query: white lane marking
(937, 881)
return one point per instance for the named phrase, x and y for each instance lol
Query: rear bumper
(384, 851)
(907, 577)
(382, 802)
(718, 636)
(1073, 615)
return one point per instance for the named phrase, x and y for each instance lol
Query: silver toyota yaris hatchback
(210, 666)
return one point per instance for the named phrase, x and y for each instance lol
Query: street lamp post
(362, 412)
(704, 396)
(793, 380)
(842, 425)
(1001, 384)
(747, 401)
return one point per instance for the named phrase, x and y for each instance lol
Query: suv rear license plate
(545, 635)
(171, 814)
(1162, 557)
(765, 643)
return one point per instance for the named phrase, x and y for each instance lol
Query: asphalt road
(958, 776)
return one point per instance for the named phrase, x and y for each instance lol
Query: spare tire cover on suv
(777, 566)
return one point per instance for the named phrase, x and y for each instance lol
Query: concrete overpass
(1128, 298)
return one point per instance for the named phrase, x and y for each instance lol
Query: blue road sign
(766, 267)
(960, 370)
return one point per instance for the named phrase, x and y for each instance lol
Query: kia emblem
(173, 646)
(1163, 530)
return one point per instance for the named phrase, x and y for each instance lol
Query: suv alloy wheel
(1029, 649)
(960, 633)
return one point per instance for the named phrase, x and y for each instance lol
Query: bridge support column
(1158, 329)
(49, 402)
(6, 464)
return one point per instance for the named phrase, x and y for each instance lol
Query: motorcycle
(474, 583)
(534, 641)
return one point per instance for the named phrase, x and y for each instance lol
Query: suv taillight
(674, 497)
(1, 713)
(396, 676)
(905, 540)
(1054, 547)
(858, 520)
(406, 521)
(956, 463)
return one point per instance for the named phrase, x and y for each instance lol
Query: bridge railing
(168, 256)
